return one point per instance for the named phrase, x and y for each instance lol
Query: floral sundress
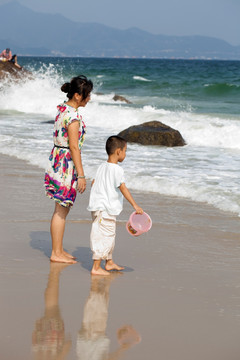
(60, 175)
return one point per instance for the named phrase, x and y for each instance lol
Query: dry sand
(178, 298)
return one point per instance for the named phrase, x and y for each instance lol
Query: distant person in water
(65, 175)
(14, 61)
(6, 55)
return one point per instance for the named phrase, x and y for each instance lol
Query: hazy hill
(31, 33)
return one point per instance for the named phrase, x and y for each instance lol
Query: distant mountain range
(28, 32)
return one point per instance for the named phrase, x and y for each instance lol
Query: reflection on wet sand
(48, 339)
(92, 342)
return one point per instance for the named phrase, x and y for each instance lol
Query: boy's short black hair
(114, 142)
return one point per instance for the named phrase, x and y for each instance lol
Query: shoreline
(179, 292)
(140, 196)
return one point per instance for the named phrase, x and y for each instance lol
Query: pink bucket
(138, 224)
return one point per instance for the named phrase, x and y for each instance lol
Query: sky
(215, 18)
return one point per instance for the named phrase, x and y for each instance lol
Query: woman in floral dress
(64, 175)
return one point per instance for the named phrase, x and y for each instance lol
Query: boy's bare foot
(99, 271)
(110, 265)
(62, 259)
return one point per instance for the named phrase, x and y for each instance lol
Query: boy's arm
(126, 193)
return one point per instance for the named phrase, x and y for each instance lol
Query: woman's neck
(72, 103)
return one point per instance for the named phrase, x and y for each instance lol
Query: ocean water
(198, 98)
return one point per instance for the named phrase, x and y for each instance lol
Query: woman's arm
(73, 134)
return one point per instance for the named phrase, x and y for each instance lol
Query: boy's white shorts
(102, 237)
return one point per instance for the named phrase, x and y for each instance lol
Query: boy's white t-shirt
(105, 194)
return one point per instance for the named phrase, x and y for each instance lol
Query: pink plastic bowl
(138, 224)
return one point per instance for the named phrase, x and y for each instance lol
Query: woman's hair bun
(66, 87)
(80, 85)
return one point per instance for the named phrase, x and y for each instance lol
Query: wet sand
(178, 298)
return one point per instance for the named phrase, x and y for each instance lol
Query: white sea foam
(200, 193)
(103, 98)
(37, 96)
(140, 78)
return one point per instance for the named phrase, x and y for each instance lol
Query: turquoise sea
(197, 97)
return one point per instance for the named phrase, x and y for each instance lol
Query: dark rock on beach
(121, 98)
(153, 133)
(9, 69)
(116, 97)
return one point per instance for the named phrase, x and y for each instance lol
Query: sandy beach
(178, 297)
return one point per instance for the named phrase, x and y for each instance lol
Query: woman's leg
(57, 231)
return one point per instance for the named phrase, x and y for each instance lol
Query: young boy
(105, 203)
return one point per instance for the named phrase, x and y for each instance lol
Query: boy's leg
(102, 240)
(110, 264)
(94, 243)
(97, 269)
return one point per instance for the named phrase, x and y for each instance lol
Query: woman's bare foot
(110, 265)
(99, 271)
(69, 255)
(62, 258)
